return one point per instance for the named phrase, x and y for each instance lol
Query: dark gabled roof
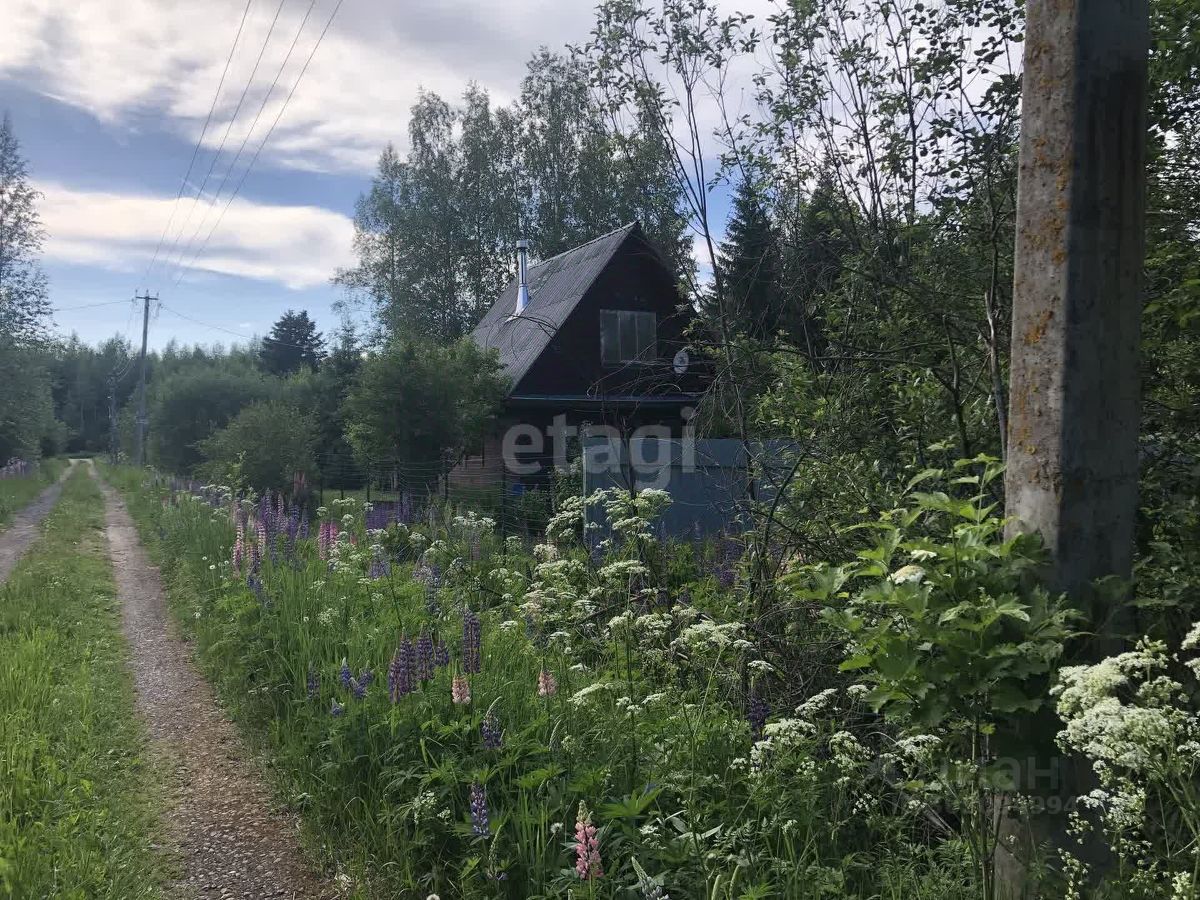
(556, 286)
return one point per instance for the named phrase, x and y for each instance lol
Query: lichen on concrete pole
(1073, 426)
(1072, 444)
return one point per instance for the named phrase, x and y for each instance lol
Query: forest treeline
(856, 297)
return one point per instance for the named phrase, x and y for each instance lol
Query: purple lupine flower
(366, 676)
(395, 667)
(255, 558)
(479, 810)
(651, 889)
(471, 643)
(728, 553)
(433, 582)
(358, 689)
(490, 731)
(380, 568)
(400, 678)
(441, 655)
(410, 660)
(337, 710)
(345, 674)
(757, 714)
(255, 584)
(313, 683)
(302, 532)
(425, 657)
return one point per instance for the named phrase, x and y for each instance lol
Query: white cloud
(129, 62)
(296, 246)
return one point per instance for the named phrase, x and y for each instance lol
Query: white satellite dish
(681, 362)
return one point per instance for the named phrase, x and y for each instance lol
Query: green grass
(16, 493)
(76, 820)
(386, 788)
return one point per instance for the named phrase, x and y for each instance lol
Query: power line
(86, 305)
(233, 118)
(250, 132)
(203, 324)
(199, 141)
(266, 138)
(266, 340)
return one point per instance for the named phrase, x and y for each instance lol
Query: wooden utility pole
(1077, 296)
(1072, 465)
(112, 418)
(139, 447)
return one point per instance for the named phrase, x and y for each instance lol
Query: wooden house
(593, 338)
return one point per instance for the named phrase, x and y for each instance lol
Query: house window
(627, 336)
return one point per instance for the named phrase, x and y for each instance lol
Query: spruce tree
(294, 344)
(750, 268)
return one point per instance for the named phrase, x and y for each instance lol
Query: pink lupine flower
(260, 532)
(326, 537)
(587, 846)
(239, 548)
(547, 685)
(460, 690)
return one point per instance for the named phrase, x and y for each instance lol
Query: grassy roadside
(16, 493)
(144, 497)
(76, 818)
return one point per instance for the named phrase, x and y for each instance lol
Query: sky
(110, 99)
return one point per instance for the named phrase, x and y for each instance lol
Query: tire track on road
(15, 539)
(229, 841)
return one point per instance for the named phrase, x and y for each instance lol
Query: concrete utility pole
(1072, 462)
(139, 447)
(1073, 421)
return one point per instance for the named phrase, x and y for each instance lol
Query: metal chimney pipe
(522, 276)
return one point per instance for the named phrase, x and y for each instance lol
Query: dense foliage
(436, 234)
(482, 719)
(27, 423)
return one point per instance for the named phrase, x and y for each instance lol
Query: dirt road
(231, 842)
(15, 539)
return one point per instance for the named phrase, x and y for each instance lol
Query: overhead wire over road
(250, 131)
(263, 143)
(199, 141)
(224, 137)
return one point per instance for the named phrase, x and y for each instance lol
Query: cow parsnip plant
(952, 640)
(1134, 717)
